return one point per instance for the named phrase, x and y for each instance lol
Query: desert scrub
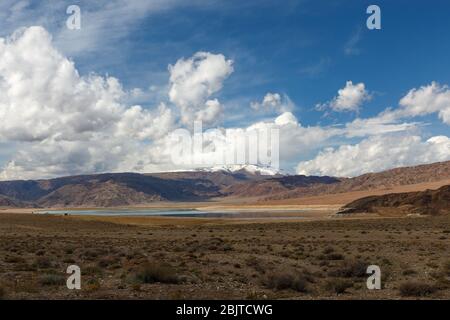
(14, 259)
(153, 272)
(92, 285)
(91, 270)
(286, 280)
(408, 272)
(446, 269)
(330, 257)
(350, 269)
(43, 263)
(52, 279)
(109, 261)
(416, 289)
(338, 286)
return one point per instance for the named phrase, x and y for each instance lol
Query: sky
(108, 96)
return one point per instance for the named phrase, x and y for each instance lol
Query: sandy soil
(171, 258)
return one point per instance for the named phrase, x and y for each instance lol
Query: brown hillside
(429, 202)
(107, 194)
(374, 181)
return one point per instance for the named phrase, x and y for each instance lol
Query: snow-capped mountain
(248, 168)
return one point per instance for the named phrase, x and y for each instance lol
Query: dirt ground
(173, 258)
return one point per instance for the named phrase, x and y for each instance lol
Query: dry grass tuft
(416, 289)
(153, 272)
(286, 280)
(338, 286)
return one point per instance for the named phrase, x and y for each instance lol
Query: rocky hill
(373, 181)
(277, 186)
(121, 189)
(106, 190)
(429, 202)
(127, 189)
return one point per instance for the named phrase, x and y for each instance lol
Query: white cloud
(64, 123)
(57, 122)
(273, 102)
(210, 113)
(349, 98)
(103, 22)
(380, 124)
(194, 80)
(377, 153)
(432, 98)
(285, 119)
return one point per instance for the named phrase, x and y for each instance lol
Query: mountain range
(128, 189)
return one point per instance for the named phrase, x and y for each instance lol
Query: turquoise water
(140, 212)
(174, 213)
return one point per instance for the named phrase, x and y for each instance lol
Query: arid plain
(317, 256)
(289, 240)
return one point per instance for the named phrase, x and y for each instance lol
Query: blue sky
(304, 50)
(298, 48)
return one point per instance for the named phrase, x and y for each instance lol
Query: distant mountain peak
(248, 168)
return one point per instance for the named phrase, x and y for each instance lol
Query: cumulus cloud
(377, 153)
(44, 96)
(56, 122)
(273, 102)
(194, 80)
(349, 98)
(432, 98)
(64, 122)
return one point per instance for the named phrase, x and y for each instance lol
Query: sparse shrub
(328, 250)
(286, 280)
(24, 267)
(43, 263)
(227, 247)
(256, 263)
(338, 286)
(107, 262)
(447, 268)
(416, 289)
(350, 269)
(408, 272)
(156, 272)
(92, 254)
(92, 285)
(92, 270)
(331, 257)
(40, 252)
(14, 259)
(52, 280)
